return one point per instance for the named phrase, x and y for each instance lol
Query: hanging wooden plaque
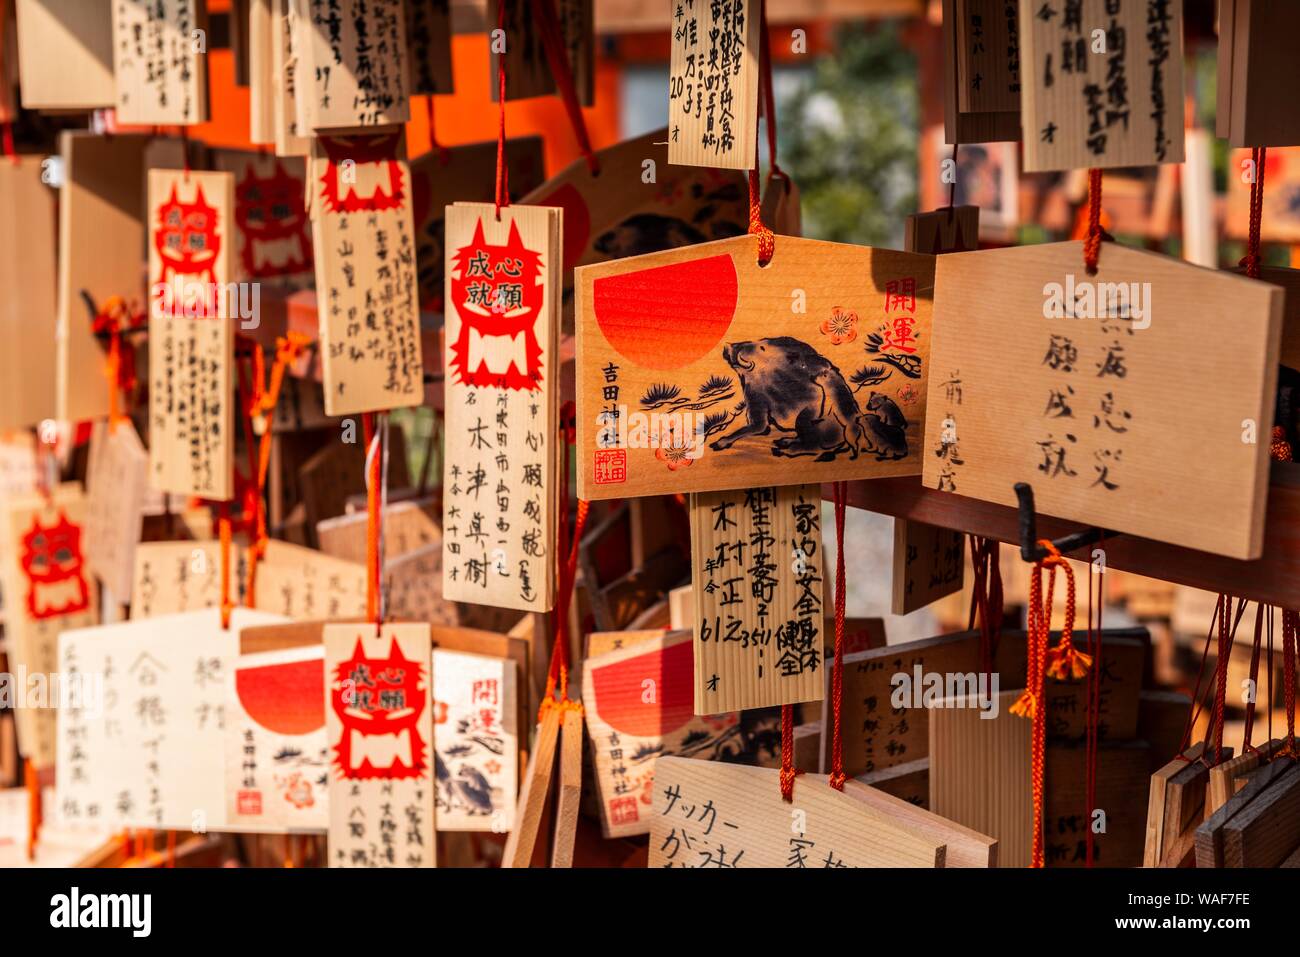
(1257, 73)
(353, 61)
(102, 205)
(379, 724)
(709, 815)
(699, 370)
(160, 62)
(713, 84)
(1093, 407)
(527, 838)
(476, 741)
(306, 585)
(191, 333)
(638, 702)
(988, 55)
(65, 54)
(117, 479)
(428, 41)
(499, 477)
(569, 789)
(286, 67)
(756, 556)
(366, 292)
(277, 760)
(29, 276)
(928, 564)
(172, 577)
(962, 125)
(143, 747)
(528, 69)
(261, 72)
(47, 589)
(272, 233)
(1106, 84)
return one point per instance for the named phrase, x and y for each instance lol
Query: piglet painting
(701, 369)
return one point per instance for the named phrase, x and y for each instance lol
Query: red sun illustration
(630, 706)
(666, 317)
(287, 698)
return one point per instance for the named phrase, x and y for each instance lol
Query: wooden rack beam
(1273, 578)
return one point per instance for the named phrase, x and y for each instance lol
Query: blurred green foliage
(848, 136)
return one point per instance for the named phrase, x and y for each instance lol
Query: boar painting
(701, 369)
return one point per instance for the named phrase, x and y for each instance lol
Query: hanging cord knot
(765, 236)
(1252, 261)
(1065, 662)
(112, 320)
(1095, 235)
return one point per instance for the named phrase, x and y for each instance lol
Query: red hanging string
(767, 100)
(986, 606)
(1289, 623)
(223, 531)
(32, 781)
(837, 673)
(503, 186)
(1254, 679)
(1092, 242)
(548, 23)
(7, 138)
(373, 518)
(766, 240)
(557, 674)
(1221, 674)
(1252, 260)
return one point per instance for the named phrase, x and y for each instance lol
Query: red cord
(837, 675)
(1252, 260)
(553, 41)
(1092, 243)
(557, 674)
(767, 98)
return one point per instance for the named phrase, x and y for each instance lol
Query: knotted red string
(112, 320)
(557, 674)
(1092, 242)
(1060, 662)
(837, 673)
(1252, 260)
(553, 42)
(766, 241)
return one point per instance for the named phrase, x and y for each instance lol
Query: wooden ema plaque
(65, 55)
(713, 84)
(710, 815)
(379, 725)
(117, 478)
(528, 68)
(756, 558)
(353, 64)
(960, 123)
(638, 705)
(146, 749)
(191, 333)
(102, 205)
(28, 313)
(277, 759)
(476, 741)
(47, 589)
(160, 63)
(1088, 387)
(290, 138)
(366, 292)
(428, 45)
(1257, 74)
(988, 56)
(499, 475)
(272, 233)
(1106, 84)
(699, 370)
(928, 564)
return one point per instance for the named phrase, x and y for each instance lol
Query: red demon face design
(273, 221)
(186, 238)
(51, 560)
(379, 702)
(497, 292)
(363, 174)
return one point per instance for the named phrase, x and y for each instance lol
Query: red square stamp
(622, 810)
(611, 466)
(249, 802)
